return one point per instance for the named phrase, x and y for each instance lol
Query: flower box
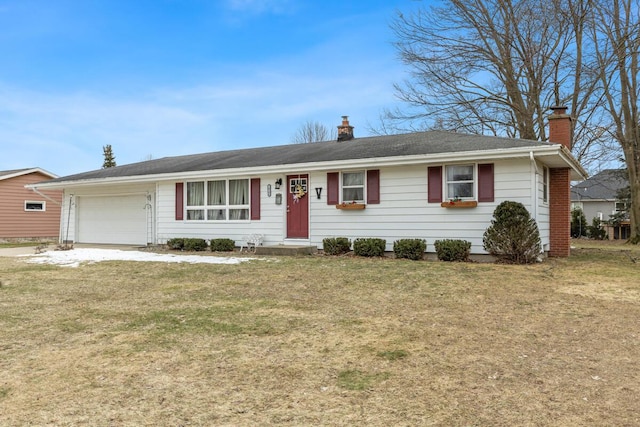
(459, 204)
(351, 206)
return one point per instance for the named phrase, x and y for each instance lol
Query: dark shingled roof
(432, 142)
(602, 186)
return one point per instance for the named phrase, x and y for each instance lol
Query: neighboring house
(389, 187)
(26, 214)
(597, 197)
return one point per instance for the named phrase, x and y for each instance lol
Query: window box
(459, 204)
(351, 206)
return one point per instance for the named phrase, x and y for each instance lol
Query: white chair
(251, 241)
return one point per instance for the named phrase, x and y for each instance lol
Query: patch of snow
(74, 257)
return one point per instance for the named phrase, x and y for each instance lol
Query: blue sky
(158, 78)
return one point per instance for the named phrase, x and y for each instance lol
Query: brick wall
(560, 212)
(560, 187)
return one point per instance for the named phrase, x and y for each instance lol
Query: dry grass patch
(321, 341)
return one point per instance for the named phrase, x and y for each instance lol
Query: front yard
(323, 341)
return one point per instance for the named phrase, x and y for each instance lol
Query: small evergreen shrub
(595, 230)
(578, 223)
(369, 247)
(453, 250)
(222, 245)
(412, 249)
(513, 235)
(336, 245)
(194, 244)
(176, 244)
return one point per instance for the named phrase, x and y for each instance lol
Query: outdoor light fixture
(318, 192)
(278, 183)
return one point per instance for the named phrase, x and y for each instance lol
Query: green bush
(222, 245)
(453, 250)
(176, 244)
(369, 247)
(513, 235)
(578, 223)
(410, 248)
(193, 244)
(595, 230)
(336, 245)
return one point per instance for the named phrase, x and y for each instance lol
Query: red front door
(297, 207)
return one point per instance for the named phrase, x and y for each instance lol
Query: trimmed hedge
(222, 245)
(412, 249)
(336, 245)
(453, 250)
(194, 244)
(369, 247)
(176, 244)
(187, 244)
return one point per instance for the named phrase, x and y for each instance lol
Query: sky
(158, 78)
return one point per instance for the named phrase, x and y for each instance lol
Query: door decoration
(299, 193)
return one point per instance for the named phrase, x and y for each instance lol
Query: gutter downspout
(534, 179)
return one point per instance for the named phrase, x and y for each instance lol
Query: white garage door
(114, 219)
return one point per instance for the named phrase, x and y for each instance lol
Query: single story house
(26, 214)
(429, 185)
(597, 197)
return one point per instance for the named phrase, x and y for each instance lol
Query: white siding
(402, 213)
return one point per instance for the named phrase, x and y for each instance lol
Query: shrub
(578, 223)
(595, 230)
(222, 245)
(410, 248)
(453, 250)
(369, 247)
(195, 244)
(176, 244)
(513, 235)
(336, 245)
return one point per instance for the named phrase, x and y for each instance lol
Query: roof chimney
(560, 126)
(345, 131)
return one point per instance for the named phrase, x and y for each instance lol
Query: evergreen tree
(513, 235)
(109, 158)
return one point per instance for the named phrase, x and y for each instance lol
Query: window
(460, 182)
(223, 200)
(34, 206)
(545, 184)
(621, 206)
(353, 186)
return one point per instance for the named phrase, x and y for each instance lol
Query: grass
(323, 341)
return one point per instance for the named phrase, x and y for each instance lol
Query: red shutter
(179, 201)
(434, 185)
(333, 188)
(255, 198)
(485, 182)
(373, 186)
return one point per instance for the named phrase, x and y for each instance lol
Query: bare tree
(312, 132)
(495, 67)
(617, 34)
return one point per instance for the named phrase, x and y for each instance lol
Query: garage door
(114, 219)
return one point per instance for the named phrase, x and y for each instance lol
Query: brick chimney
(560, 187)
(345, 131)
